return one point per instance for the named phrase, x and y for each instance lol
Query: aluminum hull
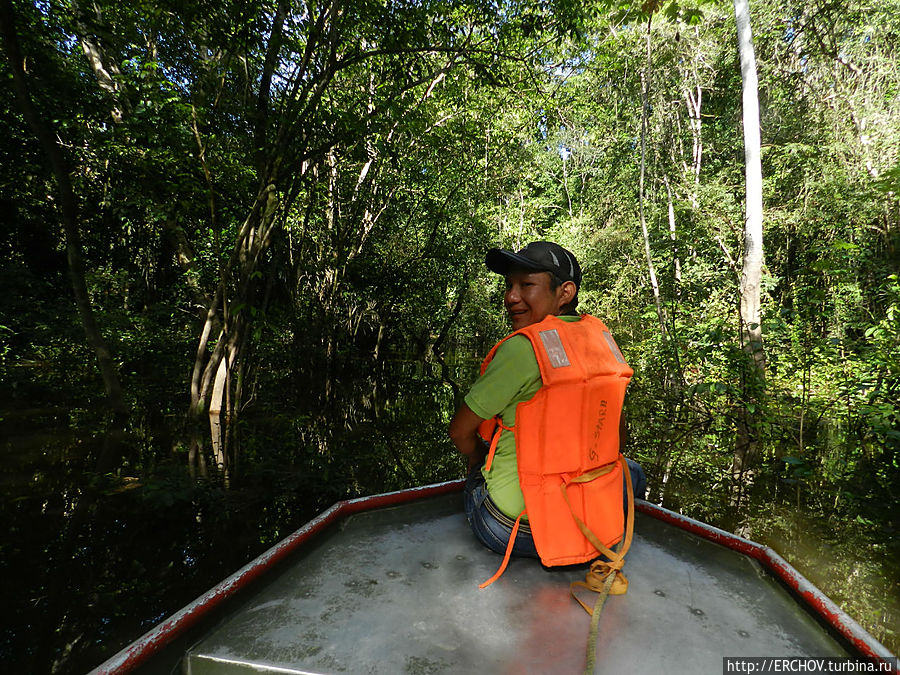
(394, 589)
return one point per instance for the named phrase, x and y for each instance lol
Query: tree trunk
(645, 113)
(105, 69)
(747, 446)
(673, 235)
(68, 206)
(214, 387)
(694, 102)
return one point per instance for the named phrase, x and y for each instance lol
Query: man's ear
(568, 291)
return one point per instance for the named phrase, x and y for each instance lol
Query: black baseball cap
(540, 256)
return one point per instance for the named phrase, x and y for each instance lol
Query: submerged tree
(747, 445)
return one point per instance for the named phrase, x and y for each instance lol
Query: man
(542, 280)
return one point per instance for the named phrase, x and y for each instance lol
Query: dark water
(92, 560)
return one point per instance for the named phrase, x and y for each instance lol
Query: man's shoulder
(520, 343)
(514, 347)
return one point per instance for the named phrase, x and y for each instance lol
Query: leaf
(889, 181)
(692, 17)
(844, 246)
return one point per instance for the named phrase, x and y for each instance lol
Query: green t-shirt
(511, 377)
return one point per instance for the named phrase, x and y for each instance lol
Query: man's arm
(464, 434)
(623, 432)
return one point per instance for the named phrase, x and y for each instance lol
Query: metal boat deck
(395, 590)
(389, 584)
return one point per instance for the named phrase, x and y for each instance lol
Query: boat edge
(816, 601)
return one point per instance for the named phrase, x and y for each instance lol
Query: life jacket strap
(494, 440)
(585, 530)
(509, 548)
(491, 507)
(588, 476)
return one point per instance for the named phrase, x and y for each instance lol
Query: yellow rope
(604, 576)
(595, 621)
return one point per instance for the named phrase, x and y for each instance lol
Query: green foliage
(403, 140)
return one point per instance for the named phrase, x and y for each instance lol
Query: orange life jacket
(567, 440)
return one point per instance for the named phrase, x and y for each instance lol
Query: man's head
(543, 278)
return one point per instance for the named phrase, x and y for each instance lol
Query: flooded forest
(242, 273)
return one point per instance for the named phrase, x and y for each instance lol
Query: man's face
(529, 299)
